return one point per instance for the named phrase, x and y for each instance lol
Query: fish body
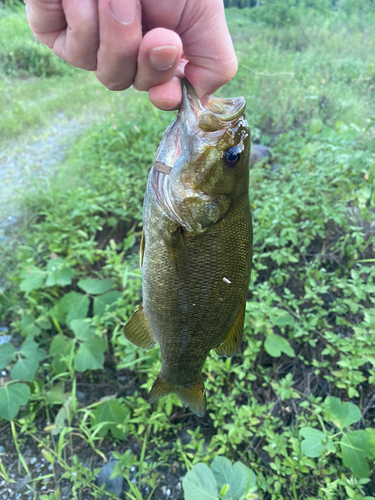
(196, 246)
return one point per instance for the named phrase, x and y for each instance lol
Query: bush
(21, 54)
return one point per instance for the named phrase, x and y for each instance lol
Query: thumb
(207, 46)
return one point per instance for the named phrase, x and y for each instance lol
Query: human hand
(149, 44)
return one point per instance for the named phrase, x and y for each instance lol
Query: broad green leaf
(111, 414)
(107, 299)
(95, 287)
(313, 444)
(57, 394)
(90, 355)
(355, 447)
(82, 330)
(76, 305)
(24, 369)
(222, 470)
(57, 313)
(242, 480)
(342, 414)
(33, 279)
(30, 349)
(58, 273)
(11, 398)
(285, 319)
(29, 327)
(239, 478)
(44, 323)
(275, 345)
(200, 484)
(61, 347)
(7, 352)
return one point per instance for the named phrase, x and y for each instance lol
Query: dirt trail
(33, 157)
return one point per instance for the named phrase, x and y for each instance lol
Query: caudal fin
(191, 396)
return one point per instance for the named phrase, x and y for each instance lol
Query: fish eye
(232, 156)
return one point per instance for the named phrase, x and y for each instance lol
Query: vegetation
(295, 407)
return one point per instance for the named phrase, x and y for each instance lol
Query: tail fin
(192, 396)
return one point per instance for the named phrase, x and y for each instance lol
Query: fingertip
(207, 81)
(159, 56)
(166, 96)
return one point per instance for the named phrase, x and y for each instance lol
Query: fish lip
(218, 113)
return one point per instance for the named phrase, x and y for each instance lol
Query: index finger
(46, 19)
(69, 27)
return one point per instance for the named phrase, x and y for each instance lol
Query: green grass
(310, 323)
(36, 87)
(317, 69)
(27, 105)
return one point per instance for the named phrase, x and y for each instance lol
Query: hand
(149, 44)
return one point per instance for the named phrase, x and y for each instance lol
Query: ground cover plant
(293, 412)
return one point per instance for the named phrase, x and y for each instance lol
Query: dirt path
(32, 158)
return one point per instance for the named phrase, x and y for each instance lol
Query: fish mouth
(208, 123)
(218, 113)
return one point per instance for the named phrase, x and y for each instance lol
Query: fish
(196, 245)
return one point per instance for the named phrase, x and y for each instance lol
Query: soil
(89, 390)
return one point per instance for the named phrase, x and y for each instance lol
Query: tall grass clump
(21, 54)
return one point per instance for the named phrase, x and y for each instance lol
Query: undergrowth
(297, 403)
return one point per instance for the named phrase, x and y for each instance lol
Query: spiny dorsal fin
(138, 331)
(233, 340)
(192, 396)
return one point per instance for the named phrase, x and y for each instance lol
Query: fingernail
(124, 11)
(166, 104)
(163, 58)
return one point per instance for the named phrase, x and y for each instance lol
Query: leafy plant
(222, 481)
(356, 446)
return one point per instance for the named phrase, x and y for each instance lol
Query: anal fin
(192, 396)
(138, 331)
(234, 337)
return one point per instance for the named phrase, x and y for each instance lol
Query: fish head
(202, 163)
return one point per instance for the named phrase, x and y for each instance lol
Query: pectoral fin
(233, 339)
(138, 331)
(192, 396)
(177, 252)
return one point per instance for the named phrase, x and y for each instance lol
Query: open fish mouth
(218, 113)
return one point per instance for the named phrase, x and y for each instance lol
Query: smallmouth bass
(196, 246)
